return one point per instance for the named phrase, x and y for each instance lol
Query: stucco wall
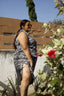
(7, 68)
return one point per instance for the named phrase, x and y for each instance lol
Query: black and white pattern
(20, 57)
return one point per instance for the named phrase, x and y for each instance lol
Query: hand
(31, 64)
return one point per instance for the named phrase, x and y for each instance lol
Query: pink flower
(51, 53)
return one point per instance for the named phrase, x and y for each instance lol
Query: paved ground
(31, 89)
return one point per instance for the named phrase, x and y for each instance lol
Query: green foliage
(12, 89)
(4, 92)
(57, 22)
(59, 6)
(52, 81)
(31, 10)
(37, 94)
(12, 86)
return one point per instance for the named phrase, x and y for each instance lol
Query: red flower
(51, 53)
(37, 54)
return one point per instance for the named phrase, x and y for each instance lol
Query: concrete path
(31, 89)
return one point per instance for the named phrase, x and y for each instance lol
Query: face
(27, 27)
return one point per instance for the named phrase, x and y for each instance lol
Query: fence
(9, 27)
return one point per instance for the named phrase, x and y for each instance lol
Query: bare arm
(22, 37)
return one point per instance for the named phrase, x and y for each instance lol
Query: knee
(27, 78)
(26, 81)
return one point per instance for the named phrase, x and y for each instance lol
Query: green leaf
(53, 82)
(4, 92)
(59, 56)
(59, 12)
(62, 9)
(60, 92)
(13, 87)
(63, 27)
(49, 64)
(58, 5)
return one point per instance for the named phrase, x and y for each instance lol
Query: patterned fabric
(20, 57)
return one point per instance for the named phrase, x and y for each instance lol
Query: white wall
(7, 69)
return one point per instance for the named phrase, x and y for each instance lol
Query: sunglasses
(29, 25)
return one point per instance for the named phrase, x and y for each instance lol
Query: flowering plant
(60, 6)
(39, 53)
(52, 81)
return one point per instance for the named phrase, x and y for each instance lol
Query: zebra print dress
(20, 57)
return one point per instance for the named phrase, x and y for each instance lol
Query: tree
(56, 21)
(31, 10)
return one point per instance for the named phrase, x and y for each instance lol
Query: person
(25, 56)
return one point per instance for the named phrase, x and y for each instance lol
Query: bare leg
(26, 77)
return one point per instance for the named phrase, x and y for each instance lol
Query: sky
(16, 9)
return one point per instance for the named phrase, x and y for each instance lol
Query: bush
(52, 83)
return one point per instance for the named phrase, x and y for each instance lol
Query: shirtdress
(20, 57)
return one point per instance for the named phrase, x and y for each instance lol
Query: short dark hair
(23, 22)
